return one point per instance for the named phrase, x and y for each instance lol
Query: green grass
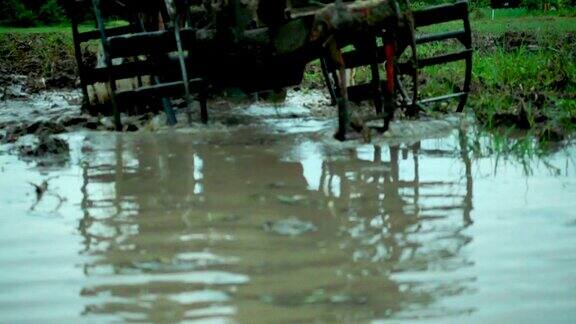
(64, 28)
(525, 86)
(35, 30)
(522, 13)
(528, 24)
(538, 24)
(43, 55)
(509, 80)
(524, 73)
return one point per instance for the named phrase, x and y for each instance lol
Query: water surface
(239, 225)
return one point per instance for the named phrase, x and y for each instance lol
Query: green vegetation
(48, 55)
(27, 13)
(524, 74)
(64, 28)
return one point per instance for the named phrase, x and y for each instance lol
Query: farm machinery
(189, 49)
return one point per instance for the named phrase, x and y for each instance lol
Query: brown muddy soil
(46, 58)
(514, 40)
(50, 57)
(45, 114)
(41, 72)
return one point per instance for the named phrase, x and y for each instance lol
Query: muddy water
(265, 224)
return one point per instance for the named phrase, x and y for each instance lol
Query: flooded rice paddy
(276, 223)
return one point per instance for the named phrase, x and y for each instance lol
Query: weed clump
(40, 55)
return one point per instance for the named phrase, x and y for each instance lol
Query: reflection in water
(173, 230)
(399, 223)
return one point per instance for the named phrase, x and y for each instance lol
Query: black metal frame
(405, 39)
(386, 94)
(116, 42)
(443, 14)
(368, 52)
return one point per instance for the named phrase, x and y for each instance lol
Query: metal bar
(124, 71)
(342, 101)
(375, 81)
(443, 98)
(440, 14)
(95, 34)
(460, 35)
(183, 70)
(167, 89)
(447, 58)
(328, 81)
(141, 43)
(171, 119)
(390, 101)
(203, 98)
(78, 55)
(468, 73)
(108, 60)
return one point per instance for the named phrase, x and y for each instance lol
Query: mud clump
(45, 146)
(76, 120)
(512, 40)
(45, 127)
(13, 86)
(484, 42)
(13, 131)
(40, 128)
(45, 57)
(509, 41)
(552, 134)
(16, 86)
(64, 80)
(289, 227)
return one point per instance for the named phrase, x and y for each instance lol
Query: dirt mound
(511, 40)
(41, 56)
(45, 146)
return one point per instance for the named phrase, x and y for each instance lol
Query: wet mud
(46, 58)
(261, 216)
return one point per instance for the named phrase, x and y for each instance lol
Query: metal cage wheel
(407, 69)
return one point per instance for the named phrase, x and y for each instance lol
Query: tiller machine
(190, 48)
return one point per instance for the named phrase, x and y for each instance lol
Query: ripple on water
(164, 228)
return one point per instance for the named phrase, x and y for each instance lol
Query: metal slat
(447, 58)
(460, 35)
(169, 89)
(141, 43)
(440, 14)
(148, 42)
(95, 34)
(119, 72)
(442, 98)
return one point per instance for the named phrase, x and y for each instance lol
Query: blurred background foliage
(30, 13)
